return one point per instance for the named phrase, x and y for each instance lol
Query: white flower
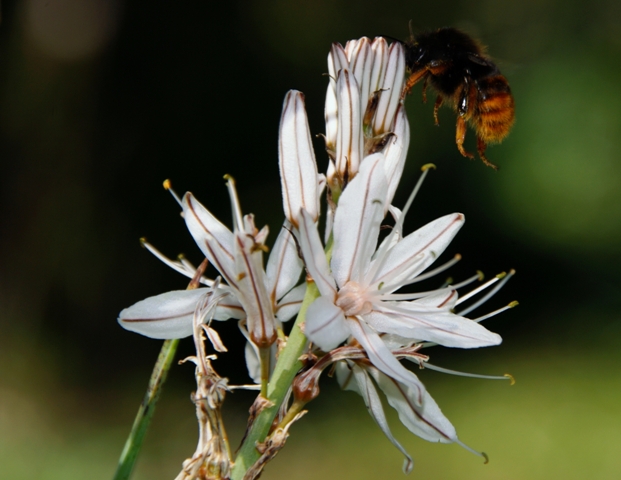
(357, 288)
(363, 105)
(265, 297)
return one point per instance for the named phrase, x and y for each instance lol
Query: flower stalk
(134, 441)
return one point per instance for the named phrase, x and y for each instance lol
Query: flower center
(352, 299)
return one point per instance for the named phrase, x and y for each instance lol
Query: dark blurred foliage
(100, 103)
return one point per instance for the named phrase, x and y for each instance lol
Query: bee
(465, 77)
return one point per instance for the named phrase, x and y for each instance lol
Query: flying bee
(465, 77)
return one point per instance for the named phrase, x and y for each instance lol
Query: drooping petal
(357, 221)
(165, 316)
(383, 359)
(284, 264)
(345, 376)
(252, 288)
(430, 324)
(374, 406)
(396, 152)
(290, 304)
(211, 236)
(325, 324)
(251, 354)
(426, 420)
(298, 169)
(349, 143)
(314, 256)
(416, 252)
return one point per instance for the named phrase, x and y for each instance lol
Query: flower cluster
(354, 315)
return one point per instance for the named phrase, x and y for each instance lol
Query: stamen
(168, 186)
(245, 387)
(164, 259)
(480, 288)
(495, 312)
(397, 229)
(235, 206)
(504, 278)
(415, 295)
(186, 263)
(425, 168)
(470, 375)
(435, 271)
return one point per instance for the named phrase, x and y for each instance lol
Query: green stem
(286, 368)
(146, 410)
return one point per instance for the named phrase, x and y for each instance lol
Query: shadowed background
(102, 100)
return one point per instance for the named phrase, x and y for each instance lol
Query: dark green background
(100, 104)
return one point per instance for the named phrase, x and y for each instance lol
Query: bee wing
(473, 57)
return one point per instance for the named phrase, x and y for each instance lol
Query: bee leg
(425, 89)
(460, 136)
(481, 146)
(436, 107)
(412, 80)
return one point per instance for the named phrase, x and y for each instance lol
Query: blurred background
(101, 100)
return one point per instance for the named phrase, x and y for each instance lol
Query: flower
(265, 297)
(357, 288)
(362, 106)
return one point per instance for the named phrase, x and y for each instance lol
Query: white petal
(345, 376)
(383, 359)
(211, 236)
(284, 265)
(374, 406)
(432, 325)
(298, 169)
(380, 60)
(349, 143)
(253, 364)
(426, 421)
(417, 251)
(337, 60)
(357, 221)
(325, 324)
(251, 353)
(331, 116)
(252, 287)
(392, 86)
(290, 304)
(361, 65)
(314, 256)
(396, 152)
(164, 316)
(444, 299)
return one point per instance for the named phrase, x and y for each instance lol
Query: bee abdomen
(496, 109)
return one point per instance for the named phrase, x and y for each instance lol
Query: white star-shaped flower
(357, 287)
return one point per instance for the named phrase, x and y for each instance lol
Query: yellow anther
(485, 457)
(458, 256)
(427, 166)
(511, 378)
(501, 275)
(143, 241)
(481, 275)
(167, 184)
(514, 303)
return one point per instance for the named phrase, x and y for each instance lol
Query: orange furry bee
(463, 75)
